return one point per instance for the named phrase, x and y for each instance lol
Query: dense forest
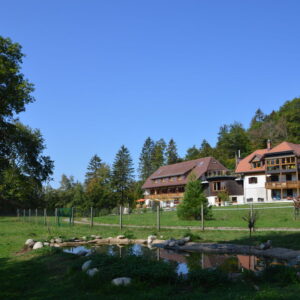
(25, 172)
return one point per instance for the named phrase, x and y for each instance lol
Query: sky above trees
(109, 73)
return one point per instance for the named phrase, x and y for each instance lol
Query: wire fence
(269, 216)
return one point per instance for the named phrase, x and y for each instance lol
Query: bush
(104, 212)
(194, 198)
(281, 275)
(207, 278)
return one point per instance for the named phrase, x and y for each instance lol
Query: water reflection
(186, 261)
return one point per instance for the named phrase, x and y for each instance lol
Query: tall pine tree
(171, 153)
(122, 174)
(158, 157)
(146, 159)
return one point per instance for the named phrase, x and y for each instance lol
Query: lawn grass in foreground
(50, 274)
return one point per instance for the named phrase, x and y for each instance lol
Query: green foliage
(122, 175)
(281, 275)
(146, 159)
(171, 153)
(207, 278)
(21, 147)
(158, 157)
(190, 207)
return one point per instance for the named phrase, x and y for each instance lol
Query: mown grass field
(268, 216)
(51, 274)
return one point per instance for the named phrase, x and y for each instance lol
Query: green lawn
(47, 274)
(222, 217)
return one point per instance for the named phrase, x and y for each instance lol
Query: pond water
(186, 261)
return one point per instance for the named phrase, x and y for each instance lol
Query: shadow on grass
(279, 239)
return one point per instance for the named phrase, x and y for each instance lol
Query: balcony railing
(165, 196)
(283, 185)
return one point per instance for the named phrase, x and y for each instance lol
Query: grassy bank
(49, 274)
(269, 215)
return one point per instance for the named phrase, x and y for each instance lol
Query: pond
(187, 261)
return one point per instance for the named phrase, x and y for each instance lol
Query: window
(234, 199)
(249, 199)
(252, 180)
(288, 177)
(257, 164)
(260, 199)
(217, 186)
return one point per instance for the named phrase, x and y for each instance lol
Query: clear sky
(111, 72)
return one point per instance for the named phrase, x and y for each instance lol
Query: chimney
(269, 144)
(237, 158)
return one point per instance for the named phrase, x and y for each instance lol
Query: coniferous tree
(158, 157)
(192, 153)
(171, 153)
(98, 185)
(122, 175)
(146, 159)
(93, 167)
(190, 207)
(206, 149)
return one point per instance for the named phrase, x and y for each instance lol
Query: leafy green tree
(158, 157)
(171, 153)
(192, 153)
(21, 148)
(190, 207)
(122, 175)
(98, 187)
(146, 159)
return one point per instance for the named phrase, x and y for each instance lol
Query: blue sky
(109, 73)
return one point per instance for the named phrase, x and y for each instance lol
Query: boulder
(172, 244)
(187, 239)
(52, 241)
(84, 238)
(181, 242)
(98, 237)
(82, 253)
(151, 238)
(265, 246)
(58, 240)
(121, 281)
(29, 242)
(120, 237)
(46, 244)
(86, 265)
(38, 245)
(92, 272)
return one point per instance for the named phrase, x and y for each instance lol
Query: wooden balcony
(283, 185)
(169, 196)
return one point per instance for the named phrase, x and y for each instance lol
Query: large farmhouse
(271, 174)
(167, 184)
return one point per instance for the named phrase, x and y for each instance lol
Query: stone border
(279, 253)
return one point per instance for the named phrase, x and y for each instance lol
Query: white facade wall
(256, 191)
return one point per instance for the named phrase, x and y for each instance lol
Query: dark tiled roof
(198, 166)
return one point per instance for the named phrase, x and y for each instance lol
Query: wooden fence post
(72, 217)
(121, 219)
(158, 217)
(202, 217)
(92, 217)
(56, 216)
(24, 214)
(29, 214)
(45, 216)
(18, 213)
(36, 215)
